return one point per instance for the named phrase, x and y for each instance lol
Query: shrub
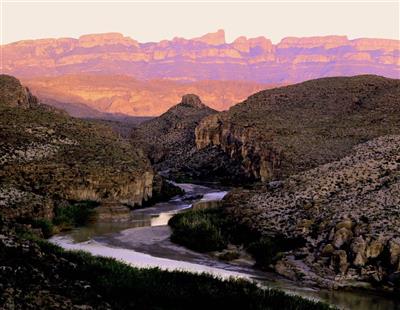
(199, 230)
(212, 229)
(45, 225)
(74, 214)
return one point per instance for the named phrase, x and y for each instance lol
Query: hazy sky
(155, 21)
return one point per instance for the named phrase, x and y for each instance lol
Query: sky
(155, 21)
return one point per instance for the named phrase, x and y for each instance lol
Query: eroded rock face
(47, 157)
(358, 247)
(192, 100)
(347, 211)
(282, 131)
(14, 94)
(208, 57)
(259, 160)
(169, 139)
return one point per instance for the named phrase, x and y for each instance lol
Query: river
(144, 242)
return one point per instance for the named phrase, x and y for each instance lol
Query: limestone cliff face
(131, 191)
(278, 132)
(260, 161)
(48, 158)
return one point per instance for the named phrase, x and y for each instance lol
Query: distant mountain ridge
(208, 57)
(101, 96)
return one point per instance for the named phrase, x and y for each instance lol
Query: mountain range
(140, 76)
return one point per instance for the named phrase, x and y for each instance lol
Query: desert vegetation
(213, 229)
(48, 275)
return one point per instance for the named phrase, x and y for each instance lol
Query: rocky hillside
(169, 142)
(48, 158)
(169, 139)
(347, 212)
(278, 132)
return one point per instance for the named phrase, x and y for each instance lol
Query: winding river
(144, 242)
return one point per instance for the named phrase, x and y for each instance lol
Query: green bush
(75, 214)
(46, 227)
(266, 250)
(199, 230)
(212, 230)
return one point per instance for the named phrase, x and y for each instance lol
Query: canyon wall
(48, 159)
(278, 132)
(259, 160)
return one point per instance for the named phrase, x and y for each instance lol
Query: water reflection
(159, 215)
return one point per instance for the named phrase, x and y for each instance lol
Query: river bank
(144, 242)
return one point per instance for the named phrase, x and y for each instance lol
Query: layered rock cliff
(208, 57)
(111, 73)
(282, 131)
(48, 158)
(347, 212)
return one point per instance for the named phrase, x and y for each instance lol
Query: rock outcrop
(14, 94)
(47, 157)
(169, 139)
(216, 38)
(347, 212)
(278, 132)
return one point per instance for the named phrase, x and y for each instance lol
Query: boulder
(394, 248)
(358, 247)
(374, 249)
(339, 261)
(342, 236)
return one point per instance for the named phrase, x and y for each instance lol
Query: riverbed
(144, 241)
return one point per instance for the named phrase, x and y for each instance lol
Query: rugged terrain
(110, 73)
(169, 141)
(326, 211)
(48, 158)
(347, 213)
(171, 135)
(107, 96)
(278, 132)
(50, 161)
(208, 57)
